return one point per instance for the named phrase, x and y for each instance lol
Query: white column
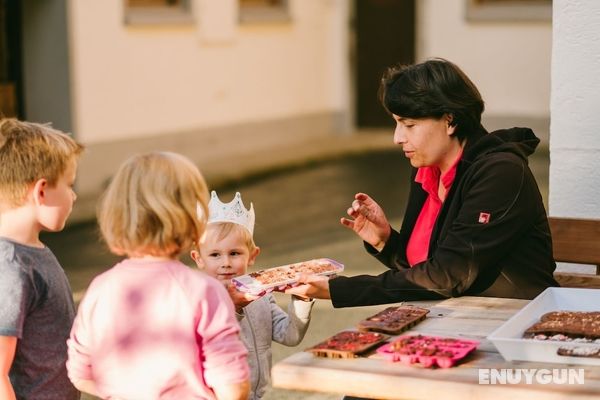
(574, 186)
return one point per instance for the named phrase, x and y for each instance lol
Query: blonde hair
(29, 152)
(150, 206)
(224, 229)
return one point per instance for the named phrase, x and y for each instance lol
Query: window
(157, 12)
(509, 10)
(153, 3)
(264, 11)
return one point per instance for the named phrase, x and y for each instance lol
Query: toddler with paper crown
(225, 251)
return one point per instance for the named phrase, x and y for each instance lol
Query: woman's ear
(253, 256)
(38, 192)
(450, 125)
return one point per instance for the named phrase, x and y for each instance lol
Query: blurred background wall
(504, 47)
(140, 77)
(223, 80)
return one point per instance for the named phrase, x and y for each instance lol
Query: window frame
(167, 15)
(509, 10)
(264, 14)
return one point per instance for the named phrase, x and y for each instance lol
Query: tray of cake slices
(428, 351)
(561, 325)
(394, 320)
(347, 344)
(284, 276)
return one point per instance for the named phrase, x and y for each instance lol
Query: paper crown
(234, 211)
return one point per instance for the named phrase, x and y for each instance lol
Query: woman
(475, 223)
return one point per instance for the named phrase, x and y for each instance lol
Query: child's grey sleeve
(289, 328)
(15, 293)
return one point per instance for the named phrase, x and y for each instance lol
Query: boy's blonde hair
(29, 152)
(224, 229)
(150, 206)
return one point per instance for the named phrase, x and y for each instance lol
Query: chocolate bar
(347, 344)
(394, 320)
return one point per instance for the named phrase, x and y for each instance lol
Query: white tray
(509, 340)
(247, 283)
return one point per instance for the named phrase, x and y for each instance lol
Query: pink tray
(429, 351)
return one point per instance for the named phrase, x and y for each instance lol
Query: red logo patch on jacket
(484, 218)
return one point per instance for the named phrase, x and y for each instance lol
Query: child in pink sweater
(150, 327)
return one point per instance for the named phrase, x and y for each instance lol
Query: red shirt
(429, 178)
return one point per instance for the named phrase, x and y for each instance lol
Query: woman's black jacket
(491, 237)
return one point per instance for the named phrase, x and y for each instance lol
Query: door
(385, 36)
(10, 59)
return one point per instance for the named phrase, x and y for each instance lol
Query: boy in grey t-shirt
(38, 167)
(37, 308)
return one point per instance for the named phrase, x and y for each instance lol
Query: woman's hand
(311, 286)
(368, 221)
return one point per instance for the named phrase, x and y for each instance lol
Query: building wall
(212, 88)
(574, 139)
(508, 61)
(134, 80)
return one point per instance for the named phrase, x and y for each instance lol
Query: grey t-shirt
(36, 306)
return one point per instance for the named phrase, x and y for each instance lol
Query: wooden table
(464, 317)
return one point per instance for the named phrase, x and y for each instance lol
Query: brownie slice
(394, 320)
(572, 324)
(592, 316)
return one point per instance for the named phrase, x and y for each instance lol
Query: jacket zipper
(255, 354)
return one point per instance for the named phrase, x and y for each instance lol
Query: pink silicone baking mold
(428, 351)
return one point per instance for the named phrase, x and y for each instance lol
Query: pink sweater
(156, 330)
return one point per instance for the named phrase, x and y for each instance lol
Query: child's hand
(240, 299)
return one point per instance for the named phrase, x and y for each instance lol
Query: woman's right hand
(311, 286)
(368, 221)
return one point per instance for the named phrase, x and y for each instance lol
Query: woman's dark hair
(430, 90)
